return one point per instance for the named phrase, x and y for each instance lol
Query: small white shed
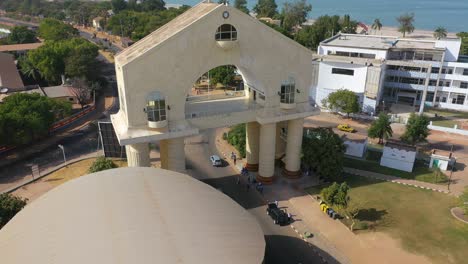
(398, 156)
(441, 159)
(356, 145)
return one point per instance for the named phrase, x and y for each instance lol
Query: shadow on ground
(312, 254)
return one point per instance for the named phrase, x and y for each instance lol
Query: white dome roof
(132, 215)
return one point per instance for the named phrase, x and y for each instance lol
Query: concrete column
(173, 154)
(266, 168)
(138, 155)
(292, 168)
(252, 145)
(280, 143)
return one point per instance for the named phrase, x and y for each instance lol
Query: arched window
(226, 32)
(288, 89)
(156, 107)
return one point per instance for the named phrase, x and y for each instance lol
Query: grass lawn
(447, 113)
(445, 123)
(420, 218)
(420, 171)
(74, 170)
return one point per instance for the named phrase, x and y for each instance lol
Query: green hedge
(236, 137)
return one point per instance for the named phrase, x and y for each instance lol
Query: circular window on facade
(226, 32)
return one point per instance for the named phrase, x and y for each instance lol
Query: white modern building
(385, 70)
(156, 74)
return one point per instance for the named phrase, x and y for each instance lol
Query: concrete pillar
(280, 143)
(138, 155)
(266, 168)
(173, 154)
(252, 145)
(292, 167)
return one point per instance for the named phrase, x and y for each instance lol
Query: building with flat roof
(133, 215)
(388, 69)
(10, 78)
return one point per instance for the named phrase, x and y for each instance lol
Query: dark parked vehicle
(279, 216)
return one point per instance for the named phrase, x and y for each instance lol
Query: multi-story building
(384, 70)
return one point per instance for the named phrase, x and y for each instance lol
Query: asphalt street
(282, 243)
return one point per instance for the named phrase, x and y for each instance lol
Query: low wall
(453, 130)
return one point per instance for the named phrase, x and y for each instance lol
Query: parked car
(346, 128)
(279, 216)
(216, 161)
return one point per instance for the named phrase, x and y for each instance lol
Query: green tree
(347, 25)
(223, 75)
(266, 8)
(336, 194)
(75, 57)
(440, 32)
(295, 13)
(241, 5)
(324, 27)
(21, 35)
(28, 69)
(26, 117)
(236, 137)
(100, 164)
(377, 25)
(416, 129)
(53, 29)
(343, 101)
(406, 23)
(322, 151)
(118, 5)
(381, 128)
(10, 205)
(151, 5)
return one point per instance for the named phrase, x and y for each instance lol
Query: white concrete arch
(172, 58)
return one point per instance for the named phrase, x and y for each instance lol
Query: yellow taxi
(346, 128)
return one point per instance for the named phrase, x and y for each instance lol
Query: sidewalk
(329, 235)
(47, 171)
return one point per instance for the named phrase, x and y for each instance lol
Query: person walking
(235, 159)
(238, 179)
(247, 187)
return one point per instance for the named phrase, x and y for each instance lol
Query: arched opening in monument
(221, 90)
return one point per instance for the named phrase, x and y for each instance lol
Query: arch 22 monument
(156, 74)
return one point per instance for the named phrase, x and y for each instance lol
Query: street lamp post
(63, 152)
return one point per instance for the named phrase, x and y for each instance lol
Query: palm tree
(440, 32)
(406, 22)
(377, 25)
(28, 69)
(381, 128)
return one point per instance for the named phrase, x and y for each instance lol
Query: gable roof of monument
(165, 32)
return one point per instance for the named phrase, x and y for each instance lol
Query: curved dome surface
(132, 215)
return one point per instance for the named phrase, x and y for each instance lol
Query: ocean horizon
(429, 14)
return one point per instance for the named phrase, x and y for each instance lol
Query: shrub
(10, 205)
(236, 137)
(102, 163)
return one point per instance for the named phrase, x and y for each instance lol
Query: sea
(429, 14)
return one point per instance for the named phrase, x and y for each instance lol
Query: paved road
(283, 245)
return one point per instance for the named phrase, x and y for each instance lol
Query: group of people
(245, 172)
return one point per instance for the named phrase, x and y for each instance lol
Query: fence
(454, 130)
